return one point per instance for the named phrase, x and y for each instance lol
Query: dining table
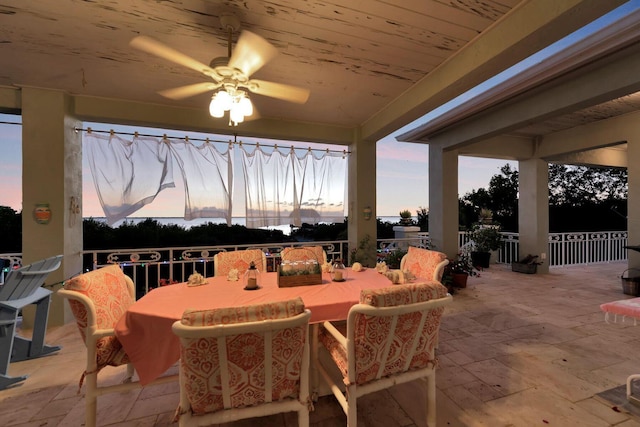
(145, 328)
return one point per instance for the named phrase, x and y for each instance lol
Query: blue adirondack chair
(22, 287)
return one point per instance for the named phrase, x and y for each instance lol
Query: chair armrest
(335, 333)
(101, 333)
(439, 270)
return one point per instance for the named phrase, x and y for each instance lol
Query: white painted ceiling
(355, 57)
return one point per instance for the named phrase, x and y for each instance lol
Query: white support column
(633, 198)
(51, 174)
(362, 195)
(443, 199)
(533, 210)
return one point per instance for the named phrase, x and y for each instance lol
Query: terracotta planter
(459, 280)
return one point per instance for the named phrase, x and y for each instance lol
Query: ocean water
(286, 229)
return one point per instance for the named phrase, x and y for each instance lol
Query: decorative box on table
(299, 273)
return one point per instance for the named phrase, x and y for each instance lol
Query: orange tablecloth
(145, 329)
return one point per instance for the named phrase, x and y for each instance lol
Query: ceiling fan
(230, 74)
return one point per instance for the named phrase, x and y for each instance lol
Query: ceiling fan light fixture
(246, 105)
(223, 100)
(236, 114)
(215, 110)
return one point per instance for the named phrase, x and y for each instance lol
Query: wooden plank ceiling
(354, 56)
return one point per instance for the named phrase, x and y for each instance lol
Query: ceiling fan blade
(189, 90)
(278, 90)
(251, 53)
(157, 48)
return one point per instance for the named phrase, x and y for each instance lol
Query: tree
(580, 199)
(581, 185)
(10, 230)
(423, 218)
(587, 198)
(501, 198)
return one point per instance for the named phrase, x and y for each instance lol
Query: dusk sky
(399, 165)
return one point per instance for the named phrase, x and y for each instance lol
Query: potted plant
(484, 238)
(527, 265)
(405, 217)
(393, 258)
(458, 271)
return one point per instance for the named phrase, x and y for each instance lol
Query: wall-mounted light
(366, 212)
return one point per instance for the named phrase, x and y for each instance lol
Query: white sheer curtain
(208, 179)
(320, 187)
(127, 174)
(282, 188)
(130, 174)
(268, 180)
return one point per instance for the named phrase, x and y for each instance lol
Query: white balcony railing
(149, 266)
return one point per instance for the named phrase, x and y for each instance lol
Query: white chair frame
(93, 334)
(348, 399)
(437, 272)
(268, 327)
(262, 267)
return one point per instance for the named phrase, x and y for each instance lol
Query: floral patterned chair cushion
(224, 262)
(304, 254)
(109, 291)
(370, 333)
(423, 262)
(245, 355)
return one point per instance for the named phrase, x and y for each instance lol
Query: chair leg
(352, 407)
(24, 349)
(314, 362)
(431, 400)
(91, 399)
(130, 372)
(6, 381)
(7, 335)
(303, 418)
(38, 348)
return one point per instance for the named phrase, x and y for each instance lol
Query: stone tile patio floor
(515, 350)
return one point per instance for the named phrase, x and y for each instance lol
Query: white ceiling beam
(603, 133)
(528, 28)
(614, 157)
(616, 77)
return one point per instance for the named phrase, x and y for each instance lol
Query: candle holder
(252, 278)
(338, 271)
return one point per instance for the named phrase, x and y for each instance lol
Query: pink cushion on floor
(626, 307)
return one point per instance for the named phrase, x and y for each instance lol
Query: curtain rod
(187, 138)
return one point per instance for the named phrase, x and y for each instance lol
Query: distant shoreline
(179, 221)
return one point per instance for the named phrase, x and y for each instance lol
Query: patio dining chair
(224, 262)
(98, 299)
(21, 288)
(304, 253)
(244, 362)
(390, 339)
(424, 263)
